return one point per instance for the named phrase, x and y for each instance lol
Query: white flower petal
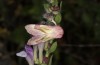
(22, 54)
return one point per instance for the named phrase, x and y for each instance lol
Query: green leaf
(50, 62)
(47, 8)
(58, 18)
(53, 47)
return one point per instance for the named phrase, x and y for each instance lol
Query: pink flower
(43, 33)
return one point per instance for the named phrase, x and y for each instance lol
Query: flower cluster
(41, 35)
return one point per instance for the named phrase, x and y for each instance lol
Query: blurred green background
(80, 44)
